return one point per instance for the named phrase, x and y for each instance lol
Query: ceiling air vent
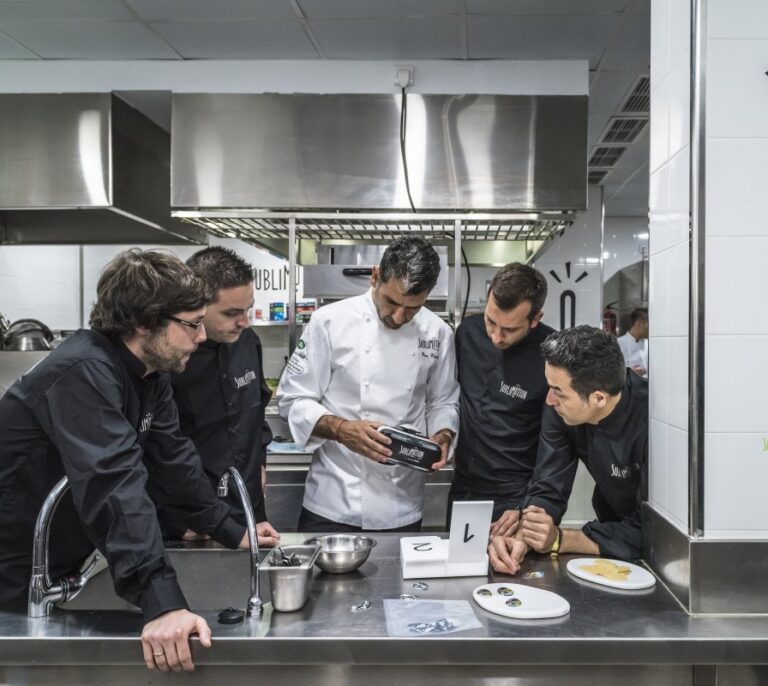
(605, 157)
(595, 177)
(639, 98)
(624, 130)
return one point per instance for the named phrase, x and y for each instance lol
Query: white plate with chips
(610, 573)
(520, 602)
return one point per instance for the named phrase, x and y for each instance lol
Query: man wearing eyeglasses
(99, 409)
(221, 395)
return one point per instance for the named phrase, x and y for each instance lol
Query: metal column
(291, 285)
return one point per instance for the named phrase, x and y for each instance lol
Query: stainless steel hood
(84, 168)
(465, 153)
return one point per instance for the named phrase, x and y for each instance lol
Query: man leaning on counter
(503, 388)
(99, 409)
(221, 395)
(597, 413)
(374, 359)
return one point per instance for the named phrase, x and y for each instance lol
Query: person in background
(597, 413)
(99, 409)
(221, 395)
(634, 343)
(503, 388)
(377, 358)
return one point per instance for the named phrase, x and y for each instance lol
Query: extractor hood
(309, 153)
(84, 168)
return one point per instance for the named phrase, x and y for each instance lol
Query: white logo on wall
(568, 297)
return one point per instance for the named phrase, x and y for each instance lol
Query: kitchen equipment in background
(289, 585)
(26, 335)
(304, 310)
(342, 553)
(277, 312)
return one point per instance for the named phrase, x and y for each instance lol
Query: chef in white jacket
(376, 359)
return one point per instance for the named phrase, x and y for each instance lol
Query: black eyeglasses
(190, 325)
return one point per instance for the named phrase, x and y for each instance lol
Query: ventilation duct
(464, 153)
(84, 168)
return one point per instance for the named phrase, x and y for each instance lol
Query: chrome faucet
(44, 593)
(255, 606)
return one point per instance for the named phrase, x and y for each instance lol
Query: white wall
(736, 225)
(625, 242)
(552, 77)
(566, 260)
(669, 261)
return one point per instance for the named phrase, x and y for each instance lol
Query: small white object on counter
(520, 602)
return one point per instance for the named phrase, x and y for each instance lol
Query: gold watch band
(554, 551)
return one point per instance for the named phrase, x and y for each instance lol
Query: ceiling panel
(632, 49)
(63, 9)
(88, 39)
(398, 39)
(244, 39)
(630, 200)
(11, 50)
(347, 9)
(545, 7)
(190, 10)
(608, 89)
(556, 37)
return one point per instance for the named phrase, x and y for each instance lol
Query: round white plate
(535, 603)
(636, 579)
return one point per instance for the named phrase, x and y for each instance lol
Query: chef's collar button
(413, 354)
(223, 376)
(409, 387)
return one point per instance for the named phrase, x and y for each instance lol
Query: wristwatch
(554, 551)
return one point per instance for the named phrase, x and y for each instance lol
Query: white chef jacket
(635, 352)
(349, 364)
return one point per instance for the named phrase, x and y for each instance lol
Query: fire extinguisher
(610, 320)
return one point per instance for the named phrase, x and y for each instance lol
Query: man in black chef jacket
(503, 387)
(99, 409)
(596, 413)
(221, 394)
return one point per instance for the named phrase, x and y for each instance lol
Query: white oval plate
(535, 603)
(636, 579)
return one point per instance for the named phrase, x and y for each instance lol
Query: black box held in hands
(411, 449)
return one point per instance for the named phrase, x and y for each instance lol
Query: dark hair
(412, 260)
(141, 288)
(221, 268)
(591, 357)
(638, 313)
(515, 283)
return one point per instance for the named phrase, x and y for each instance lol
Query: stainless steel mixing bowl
(341, 553)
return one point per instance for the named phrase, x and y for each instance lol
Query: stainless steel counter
(605, 628)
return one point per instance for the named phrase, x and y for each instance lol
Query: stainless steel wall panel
(467, 152)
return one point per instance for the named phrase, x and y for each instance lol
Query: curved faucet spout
(43, 593)
(255, 606)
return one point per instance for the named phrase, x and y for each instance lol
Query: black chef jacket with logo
(85, 411)
(615, 452)
(221, 397)
(502, 398)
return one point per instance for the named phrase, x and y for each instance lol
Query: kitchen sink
(212, 578)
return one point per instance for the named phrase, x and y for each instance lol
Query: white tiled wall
(40, 282)
(669, 263)
(736, 455)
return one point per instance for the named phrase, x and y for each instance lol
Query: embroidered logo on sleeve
(298, 362)
(146, 422)
(245, 379)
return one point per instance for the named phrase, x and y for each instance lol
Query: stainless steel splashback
(304, 152)
(84, 168)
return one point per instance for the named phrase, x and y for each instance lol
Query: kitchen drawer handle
(357, 271)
